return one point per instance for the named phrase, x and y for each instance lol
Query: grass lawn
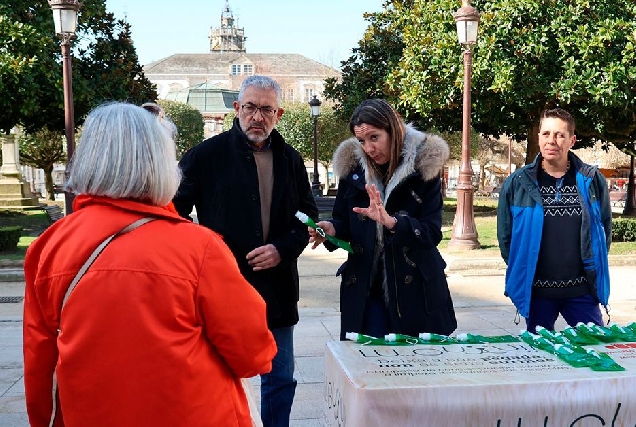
(486, 224)
(33, 223)
(36, 221)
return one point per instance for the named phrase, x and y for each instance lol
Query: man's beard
(256, 139)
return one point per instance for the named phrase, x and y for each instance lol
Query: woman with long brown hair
(389, 206)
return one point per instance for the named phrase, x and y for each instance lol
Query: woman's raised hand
(376, 210)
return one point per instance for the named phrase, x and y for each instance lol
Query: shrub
(624, 230)
(9, 238)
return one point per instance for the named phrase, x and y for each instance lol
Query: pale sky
(323, 30)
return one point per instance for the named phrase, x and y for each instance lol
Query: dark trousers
(376, 317)
(544, 312)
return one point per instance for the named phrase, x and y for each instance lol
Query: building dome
(213, 101)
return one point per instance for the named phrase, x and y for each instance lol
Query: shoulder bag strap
(98, 250)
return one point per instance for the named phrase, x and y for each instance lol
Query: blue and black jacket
(520, 225)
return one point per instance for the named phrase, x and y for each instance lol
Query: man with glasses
(247, 184)
(554, 225)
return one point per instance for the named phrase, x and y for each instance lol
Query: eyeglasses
(251, 109)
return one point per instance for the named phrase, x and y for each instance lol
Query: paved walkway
(476, 285)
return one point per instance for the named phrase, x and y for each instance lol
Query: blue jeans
(279, 386)
(544, 312)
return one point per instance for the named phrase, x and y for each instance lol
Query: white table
(485, 385)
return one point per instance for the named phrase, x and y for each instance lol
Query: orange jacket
(158, 332)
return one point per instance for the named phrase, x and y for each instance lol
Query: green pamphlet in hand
(310, 222)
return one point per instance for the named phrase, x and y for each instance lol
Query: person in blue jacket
(554, 224)
(389, 207)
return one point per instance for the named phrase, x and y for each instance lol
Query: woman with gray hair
(141, 333)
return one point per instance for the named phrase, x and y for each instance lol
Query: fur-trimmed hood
(422, 152)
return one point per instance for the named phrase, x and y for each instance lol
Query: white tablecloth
(484, 385)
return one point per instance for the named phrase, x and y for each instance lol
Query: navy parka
(414, 283)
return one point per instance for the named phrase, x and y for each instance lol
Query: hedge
(624, 230)
(9, 238)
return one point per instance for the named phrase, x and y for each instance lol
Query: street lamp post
(315, 103)
(464, 234)
(65, 18)
(509, 156)
(630, 203)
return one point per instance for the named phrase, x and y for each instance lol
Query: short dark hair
(559, 113)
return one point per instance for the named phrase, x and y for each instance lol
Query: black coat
(221, 181)
(413, 278)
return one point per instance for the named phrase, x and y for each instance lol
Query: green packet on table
(555, 337)
(304, 218)
(369, 340)
(482, 339)
(608, 334)
(575, 355)
(625, 333)
(430, 338)
(602, 361)
(600, 333)
(398, 339)
(424, 338)
(575, 337)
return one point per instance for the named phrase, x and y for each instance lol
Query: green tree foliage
(297, 127)
(104, 64)
(228, 122)
(28, 67)
(530, 55)
(189, 122)
(108, 68)
(332, 130)
(43, 149)
(454, 140)
(364, 74)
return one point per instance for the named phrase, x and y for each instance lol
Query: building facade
(227, 64)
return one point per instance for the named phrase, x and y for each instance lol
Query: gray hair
(261, 82)
(125, 153)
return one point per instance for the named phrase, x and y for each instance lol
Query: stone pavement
(476, 285)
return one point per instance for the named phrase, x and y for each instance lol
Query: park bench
(485, 191)
(618, 198)
(489, 191)
(325, 204)
(53, 212)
